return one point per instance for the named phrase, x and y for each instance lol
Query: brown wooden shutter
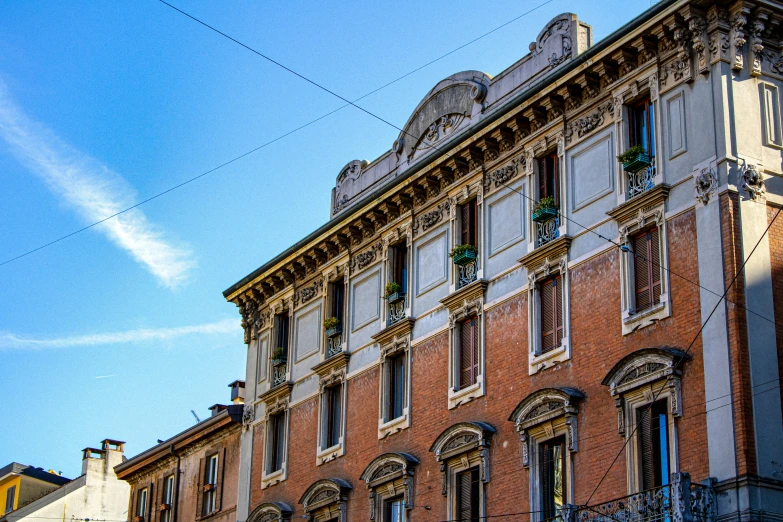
(463, 494)
(469, 234)
(647, 276)
(150, 514)
(469, 352)
(646, 451)
(133, 500)
(158, 499)
(555, 180)
(220, 476)
(558, 290)
(543, 191)
(200, 489)
(655, 269)
(547, 297)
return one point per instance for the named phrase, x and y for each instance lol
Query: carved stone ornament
(705, 184)
(429, 219)
(558, 26)
(503, 174)
(348, 184)
(439, 130)
(752, 182)
(248, 416)
(698, 28)
(384, 472)
(253, 318)
(737, 37)
(307, 293)
(364, 259)
(271, 512)
(461, 440)
(326, 498)
(756, 42)
(591, 122)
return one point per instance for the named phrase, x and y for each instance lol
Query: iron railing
(279, 374)
(467, 273)
(397, 311)
(334, 345)
(547, 231)
(641, 181)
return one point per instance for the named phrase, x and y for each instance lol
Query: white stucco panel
(505, 222)
(366, 300)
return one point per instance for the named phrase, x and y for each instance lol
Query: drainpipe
(175, 507)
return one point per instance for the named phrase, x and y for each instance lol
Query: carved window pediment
(467, 442)
(271, 512)
(326, 500)
(387, 476)
(643, 367)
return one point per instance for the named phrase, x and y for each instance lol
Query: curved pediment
(388, 466)
(546, 404)
(324, 492)
(643, 366)
(462, 437)
(445, 109)
(271, 512)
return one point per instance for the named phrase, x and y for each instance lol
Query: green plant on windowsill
(634, 159)
(278, 356)
(331, 326)
(393, 292)
(545, 209)
(463, 254)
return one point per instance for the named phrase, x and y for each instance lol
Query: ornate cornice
(471, 292)
(551, 251)
(400, 329)
(278, 392)
(630, 209)
(334, 362)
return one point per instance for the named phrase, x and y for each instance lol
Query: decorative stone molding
(545, 255)
(364, 259)
(387, 476)
(307, 293)
(756, 43)
(502, 175)
(752, 182)
(429, 219)
(718, 28)
(326, 499)
(630, 209)
(466, 442)
(594, 120)
(739, 19)
(271, 512)
(705, 184)
(248, 416)
(344, 188)
(549, 410)
(700, 42)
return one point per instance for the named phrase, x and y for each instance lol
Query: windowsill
(329, 454)
(393, 426)
(542, 361)
(273, 478)
(465, 395)
(634, 322)
(210, 515)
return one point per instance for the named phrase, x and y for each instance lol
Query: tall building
(96, 494)
(517, 309)
(21, 484)
(193, 475)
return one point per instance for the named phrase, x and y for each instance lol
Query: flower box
(636, 162)
(465, 257)
(279, 361)
(331, 332)
(396, 297)
(543, 214)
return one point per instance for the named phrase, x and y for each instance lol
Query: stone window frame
(328, 377)
(458, 448)
(325, 500)
(276, 401)
(284, 305)
(643, 212)
(398, 345)
(271, 512)
(551, 143)
(637, 379)
(389, 476)
(401, 234)
(465, 302)
(550, 267)
(463, 195)
(543, 415)
(334, 274)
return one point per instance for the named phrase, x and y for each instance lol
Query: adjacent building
(191, 476)
(96, 494)
(21, 484)
(499, 306)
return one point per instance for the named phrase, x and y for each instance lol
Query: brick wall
(776, 259)
(597, 344)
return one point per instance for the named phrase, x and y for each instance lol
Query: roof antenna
(196, 416)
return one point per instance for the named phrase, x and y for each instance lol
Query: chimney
(237, 392)
(114, 451)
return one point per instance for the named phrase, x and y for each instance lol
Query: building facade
(96, 494)
(191, 476)
(21, 484)
(517, 309)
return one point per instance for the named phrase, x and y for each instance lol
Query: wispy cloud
(93, 190)
(13, 341)
(106, 376)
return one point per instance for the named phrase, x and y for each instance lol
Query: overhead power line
(274, 140)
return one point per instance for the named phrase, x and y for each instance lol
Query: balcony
(279, 373)
(679, 501)
(641, 180)
(334, 344)
(397, 306)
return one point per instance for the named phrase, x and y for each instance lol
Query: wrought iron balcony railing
(397, 310)
(547, 231)
(679, 501)
(641, 181)
(467, 273)
(334, 345)
(279, 374)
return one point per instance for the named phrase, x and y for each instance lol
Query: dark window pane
(551, 462)
(394, 510)
(642, 125)
(338, 296)
(469, 234)
(396, 386)
(654, 444)
(400, 266)
(276, 442)
(333, 415)
(467, 486)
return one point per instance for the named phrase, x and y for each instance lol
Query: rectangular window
(282, 327)
(552, 479)
(400, 266)
(333, 400)
(394, 510)
(276, 441)
(210, 483)
(548, 179)
(396, 392)
(647, 271)
(642, 125)
(141, 503)
(468, 232)
(551, 296)
(467, 486)
(653, 437)
(337, 291)
(167, 498)
(10, 497)
(469, 352)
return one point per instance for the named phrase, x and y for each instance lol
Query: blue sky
(121, 330)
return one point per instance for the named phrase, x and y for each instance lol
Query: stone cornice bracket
(469, 293)
(400, 329)
(553, 250)
(738, 18)
(332, 369)
(718, 28)
(630, 209)
(697, 24)
(277, 398)
(757, 26)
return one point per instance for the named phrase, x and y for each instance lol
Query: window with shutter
(338, 299)
(469, 352)
(551, 302)
(10, 499)
(167, 498)
(548, 183)
(467, 501)
(551, 464)
(282, 323)
(333, 415)
(653, 440)
(276, 441)
(210, 484)
(468, 235)
(647, 272)
(396, 390)
(642, 125)
(400, 266)
(141, 503)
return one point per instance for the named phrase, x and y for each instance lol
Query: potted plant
(394, 292)
(463, 254)
(278, 356)
(332, 326)
(545, 210)
(634, 159)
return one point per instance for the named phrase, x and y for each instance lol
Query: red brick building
(517, 309)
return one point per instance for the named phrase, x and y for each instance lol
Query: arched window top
(387, 467)
(644, 366)
(544, 405)
(325, 499)
(271, 512)
(461, 438)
